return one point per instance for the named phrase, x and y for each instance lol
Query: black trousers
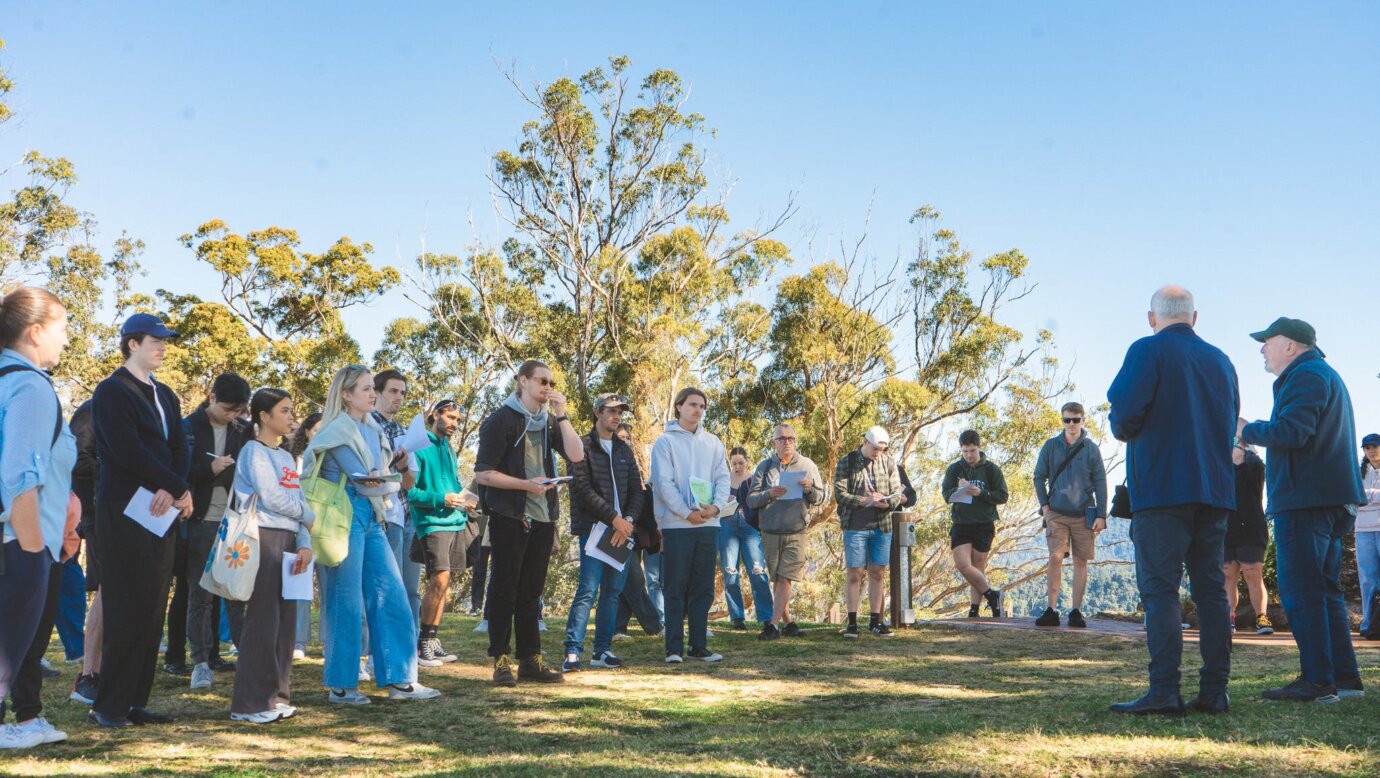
(479, 573)
(521, 558)
(26, 692)
(135, 568)
(177, 609)
(23, 595)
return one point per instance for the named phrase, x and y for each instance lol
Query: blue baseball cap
(1370, 440)
(145, 324)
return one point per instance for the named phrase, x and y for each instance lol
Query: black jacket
(503, 447)
(1246, 524)
(201, 444)
(88, 465)
(130, 441)
(590, 499)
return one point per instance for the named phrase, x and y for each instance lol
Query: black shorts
(979, 536)
(445, 551)
(1248, 554)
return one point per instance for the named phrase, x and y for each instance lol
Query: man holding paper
(974, 486)
(690, 491)
(784, 485)
(605, 500)
(138, 424)
(868, 486)
(444, 530)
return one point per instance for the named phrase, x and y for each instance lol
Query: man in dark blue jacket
(1174, 403)
(1313, 487)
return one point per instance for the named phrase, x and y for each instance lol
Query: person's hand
(973, 490)
(806, 483)
(469, 502)
(399, 463)
(219, 464)
(454, 501)
(875, 498)
(162, 501)
(709, 511)
(1045, 510)
(29, 534)
(184, 505)
(777, 492)
(1240, 425)
(535, 486)
(557, 401)
(622, 530)
(371, 482)
(1099, 525)
(303, 559)
(696, 518)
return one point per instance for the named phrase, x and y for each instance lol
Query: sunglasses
(443, 405)
(1073, 421)
(546, 382)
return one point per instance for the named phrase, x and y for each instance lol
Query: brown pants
(270, 628)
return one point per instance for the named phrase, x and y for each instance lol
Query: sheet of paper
(592, 547)
(139, 510)
(565, 479)
(961, 496)
(702, 491)
(296, 587)
(790, 479)
(415, 438)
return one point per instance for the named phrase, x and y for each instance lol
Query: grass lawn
(932, 701)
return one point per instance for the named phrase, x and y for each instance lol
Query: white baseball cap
(877, 436)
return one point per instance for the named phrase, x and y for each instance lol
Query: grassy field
(932, 701)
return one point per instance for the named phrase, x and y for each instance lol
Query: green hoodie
(436, 477)
(984, 505)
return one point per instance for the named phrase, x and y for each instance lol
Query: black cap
(1296, 330)
(145, 324)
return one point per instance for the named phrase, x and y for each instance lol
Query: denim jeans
(366, 586)
(400, 539)
(1166, 541)
(597, 581)
(1308, 554)
(635, 600)
(71, 617)
(687, 559)
(651, 570)
(737, 539)
(1368, 567)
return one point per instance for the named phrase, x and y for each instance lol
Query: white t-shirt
(608, 449)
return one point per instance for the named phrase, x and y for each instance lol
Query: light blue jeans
(600, 582)
(651, 570)
(400, 538)
(737, 539)
(366, 586)
(1368, 567)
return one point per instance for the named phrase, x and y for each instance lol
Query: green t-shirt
(537, 508)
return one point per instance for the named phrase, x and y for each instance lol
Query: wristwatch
(560, 419)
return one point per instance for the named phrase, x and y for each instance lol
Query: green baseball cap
(1296, 330)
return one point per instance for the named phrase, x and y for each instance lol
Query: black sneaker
(177, 668)
(426, 654)
(1050, 618)
(851, 631)
(84, 690)
(881, 630)
(503, 671)
(739, 624)
(1076, 619)
(705, 654)
(974, 611)
(441, 652)
(222, 666)
(1350, 688)
(769, 632)
(993, 597)
(1303, 691)
(792, 630)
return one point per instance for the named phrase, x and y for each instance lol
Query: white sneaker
(674, 659)
(263, 717)
(709, 633)
(48, 732)
(202, 677)
(299, 651)
(14, 737)
(483, 627)
(541, 625)
(348, 697)
(411, 691)
(287, 710)
(364, 676)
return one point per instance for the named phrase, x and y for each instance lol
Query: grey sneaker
(202, 677)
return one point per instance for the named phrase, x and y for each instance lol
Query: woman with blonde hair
(367, 584)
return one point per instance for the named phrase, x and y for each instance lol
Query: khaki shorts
(1062, 531)
(785, 556)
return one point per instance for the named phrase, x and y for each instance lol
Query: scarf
(535, 421)
(342, 431)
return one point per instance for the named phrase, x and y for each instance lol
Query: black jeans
(135, 568)
(203, 608)
(480, 572)
(177, 609)
(521, 559)
(28, 589)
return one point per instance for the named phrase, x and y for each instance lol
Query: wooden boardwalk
(1133, 631)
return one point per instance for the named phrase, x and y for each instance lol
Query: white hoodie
(677, 456)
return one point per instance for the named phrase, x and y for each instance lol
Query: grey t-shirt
(536, 468)
(220, 496)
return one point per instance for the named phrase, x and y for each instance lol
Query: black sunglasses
(1073, 421)
(443, 405)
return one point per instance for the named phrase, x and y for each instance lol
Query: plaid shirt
(394, 430)
(855, 477)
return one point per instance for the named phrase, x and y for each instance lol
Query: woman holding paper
(268, 472)
(367, 583)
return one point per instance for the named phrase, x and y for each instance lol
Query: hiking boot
(1076, 619)
(881, 630)
(792, 630)
(1263, 625)
(705, 654)
(1303, 691)
(994, 597)
(974, 611)
(739, 624)
(503, 671)
(851, 631)
(426, 654)
(1050, 618)
(769, 632)
(534, 668)
(1350, 688)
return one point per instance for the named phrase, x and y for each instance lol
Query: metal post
(902, 541)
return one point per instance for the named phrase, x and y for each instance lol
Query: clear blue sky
(1229, 147)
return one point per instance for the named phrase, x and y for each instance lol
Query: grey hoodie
(1080, 485)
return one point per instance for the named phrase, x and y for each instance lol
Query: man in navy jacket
(1313, 487)
(1174, 403)
(138, 424)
